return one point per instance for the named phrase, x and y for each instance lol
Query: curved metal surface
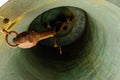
(94, 57)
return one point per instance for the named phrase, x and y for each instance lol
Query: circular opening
(6, 20)
(64, 27)
(69, 22)
(72, 42)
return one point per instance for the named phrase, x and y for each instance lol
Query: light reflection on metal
(2, 2)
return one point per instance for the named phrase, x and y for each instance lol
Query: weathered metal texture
(94, 57)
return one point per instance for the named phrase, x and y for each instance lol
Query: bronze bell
(89, 41)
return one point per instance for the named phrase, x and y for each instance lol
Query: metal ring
(7, 36)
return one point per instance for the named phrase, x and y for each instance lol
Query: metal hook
(7, 36)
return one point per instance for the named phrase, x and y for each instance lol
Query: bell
(89, 40)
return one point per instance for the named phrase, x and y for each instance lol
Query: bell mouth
(93, 55)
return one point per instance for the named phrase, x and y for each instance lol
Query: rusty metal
(7, 36)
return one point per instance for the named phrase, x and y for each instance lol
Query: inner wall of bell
(94, 55)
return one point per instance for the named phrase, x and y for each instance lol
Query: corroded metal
(95, 56)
